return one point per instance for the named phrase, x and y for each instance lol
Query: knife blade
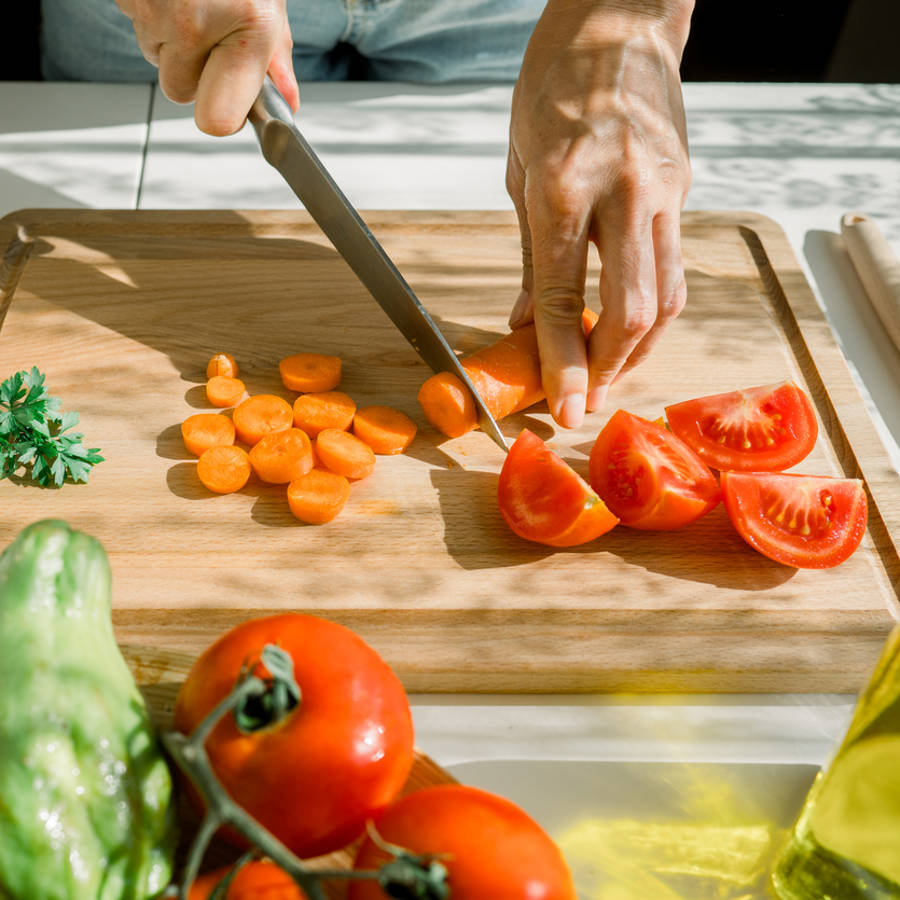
(285, 148)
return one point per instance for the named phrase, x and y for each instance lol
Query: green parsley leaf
(35, 432)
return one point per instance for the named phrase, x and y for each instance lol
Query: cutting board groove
(122, 309)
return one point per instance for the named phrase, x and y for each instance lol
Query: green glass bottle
(846, 843)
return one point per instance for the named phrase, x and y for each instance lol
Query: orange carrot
(224, 469)
(384, 429)
(506, 374)
(222, 364)
(310, 372)
(318, 496)
(205, 430)
(282, 456)
(260, 415)
(344, 453)
(325, 409)
(223, 390)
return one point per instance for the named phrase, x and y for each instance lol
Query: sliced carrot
(205, 430)
(344, 453)
(318, 496)
(223, 390)
(260, 415)
(324, 409)
(384, 429)
(506, 374)
(282, 456)
(222, 364)
(224, 469)
(310, 372)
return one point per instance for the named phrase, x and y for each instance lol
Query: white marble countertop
(801, 154)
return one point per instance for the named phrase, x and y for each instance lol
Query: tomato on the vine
(759, 429)
(490, 847)
(331, 762)
(260, 879)
(543, 499)
(805, 521)
(649, 477)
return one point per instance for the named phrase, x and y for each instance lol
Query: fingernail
(571, 413)
(517, 317)
(596, 398)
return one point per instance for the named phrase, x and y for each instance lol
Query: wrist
(609, 19)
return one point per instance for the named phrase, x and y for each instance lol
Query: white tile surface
(388, 146)
(71, 144)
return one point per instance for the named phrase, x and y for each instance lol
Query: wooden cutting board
(123, 309)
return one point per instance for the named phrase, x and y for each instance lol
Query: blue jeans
(427, 41)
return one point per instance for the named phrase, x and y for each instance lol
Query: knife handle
(268, 105)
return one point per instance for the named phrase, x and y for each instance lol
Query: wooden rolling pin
(877, 267)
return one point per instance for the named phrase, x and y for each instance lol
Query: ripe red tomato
(493, 849)
(543, 499)
(760, 429)
(335, 760)
(805, 521)
(649, 477)
(257, 880)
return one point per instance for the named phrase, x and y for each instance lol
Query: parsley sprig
(35, 432)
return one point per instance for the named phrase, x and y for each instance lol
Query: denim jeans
(427, 41)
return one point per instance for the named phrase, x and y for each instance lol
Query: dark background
(760, 40)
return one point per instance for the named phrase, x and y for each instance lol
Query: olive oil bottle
(846, 843)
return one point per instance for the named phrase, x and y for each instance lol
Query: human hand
(216, 53)
(598, 154)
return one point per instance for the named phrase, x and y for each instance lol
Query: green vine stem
(405, 876)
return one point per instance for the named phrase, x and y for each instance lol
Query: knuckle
(559, 305)
(672, 301)
(638, 319)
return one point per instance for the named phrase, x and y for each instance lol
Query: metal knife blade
(285, 148)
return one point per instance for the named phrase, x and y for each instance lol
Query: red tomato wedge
(543, 499)
(760, 429)
(805, 521)
(648, 476)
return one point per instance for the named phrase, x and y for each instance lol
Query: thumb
(281, 68)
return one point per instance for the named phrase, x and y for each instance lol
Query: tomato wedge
(759, 429)
(544, 499)
(648, 476)
(805, 521)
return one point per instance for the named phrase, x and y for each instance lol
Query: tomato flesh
(805, 521)
(648, 476)
(545, 500)
(492, 849)
(759, 429)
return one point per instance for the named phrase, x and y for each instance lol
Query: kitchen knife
(285, 148)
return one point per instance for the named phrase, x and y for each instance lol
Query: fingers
(628, 295)
(671, 288)
(523, 309)
(558, 220)
(232, 76)
(216, 53)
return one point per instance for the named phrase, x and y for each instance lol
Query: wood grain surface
(123, 309)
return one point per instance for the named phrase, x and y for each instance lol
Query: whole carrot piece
(506, 374)
(385, 429)
(318, 496)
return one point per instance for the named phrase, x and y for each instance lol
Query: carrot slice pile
(223, 390)
(282, 456)
(310, 372)
(325, 409)
(506, 374)
(344, 453)
(260, 415)
(224, 470)
(202, 431)
(318, 496)
(386, 430)
(222, 364)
